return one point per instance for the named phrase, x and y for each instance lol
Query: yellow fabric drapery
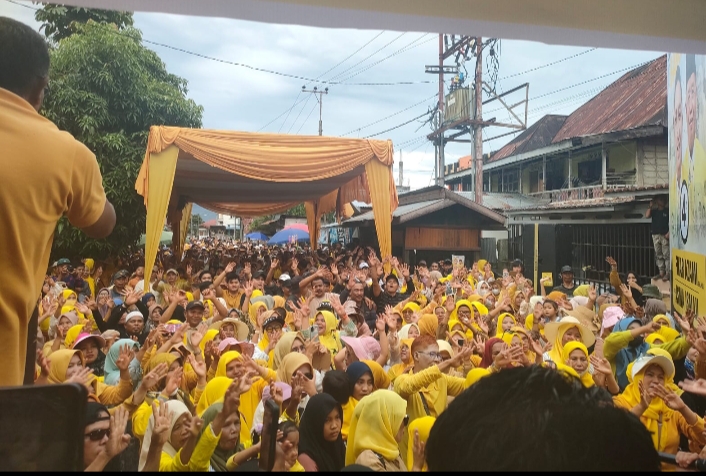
(231, 172)
(161, 170)
(184, 224)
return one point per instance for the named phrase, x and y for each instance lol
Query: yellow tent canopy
(252, 174)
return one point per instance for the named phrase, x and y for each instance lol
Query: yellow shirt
(46, 174)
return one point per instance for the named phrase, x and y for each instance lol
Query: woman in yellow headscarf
(213, 393)
(661, 410)
(667, 330)
(381, 381)
(232, 371)
(375, 431)
(66, 363)
(428, 325)
(506, 321)
(464, 313)
(562, 332)
(405, 357)
(575, 362)
(421, 427)
(408, 312)
(255, 310)
(285, 344)
(327, 325)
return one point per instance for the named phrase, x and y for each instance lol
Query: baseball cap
(275, 318)
(193, 304)
(172, 270)
(567, 269)
(123, 273)
(448, 261)
(284, 277)
(63, 261)
(422, 263)
(363, 265)
(642, 362)
(365, 348)
(258, 274)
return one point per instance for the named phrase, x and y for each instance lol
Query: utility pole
(477, 155)
(440, 179)
(319, 98)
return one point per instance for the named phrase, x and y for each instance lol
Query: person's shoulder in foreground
(50, 165)
(555, 425)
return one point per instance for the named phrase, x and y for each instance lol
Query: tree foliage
(107, 89)
(60, 21)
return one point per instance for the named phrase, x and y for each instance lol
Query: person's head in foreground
(537, 419)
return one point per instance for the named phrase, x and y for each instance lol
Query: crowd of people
(364, 355)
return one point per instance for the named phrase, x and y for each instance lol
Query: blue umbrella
(287, 236)
(257, 236)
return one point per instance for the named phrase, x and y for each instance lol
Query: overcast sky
(238, 98)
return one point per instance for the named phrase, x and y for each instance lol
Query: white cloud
(242, 99)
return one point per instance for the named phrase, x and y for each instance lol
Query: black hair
(231, 276)
(337, 384)
(24, 56)
(557, 425)
(205, 271)
(690, 66)
(318, 278)
(551, 303)
(205, 285)
(287, 427)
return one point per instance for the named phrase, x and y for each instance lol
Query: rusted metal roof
(538, 135)
(637, 99)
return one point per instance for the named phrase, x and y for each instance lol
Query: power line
(307, 118)
(531, 70)
(300, 113)
(396, 127)
(407, 47)
(391, 115)
(369, 56)
(285, 119)
(247, 66)
(351, 55)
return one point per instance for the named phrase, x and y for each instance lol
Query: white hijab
(177, 409)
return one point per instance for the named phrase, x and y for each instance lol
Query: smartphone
(47, 428)
(270, 423)
(461, 342)
(172, 328)
(313, 332)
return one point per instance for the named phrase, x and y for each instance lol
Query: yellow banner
(689, 281)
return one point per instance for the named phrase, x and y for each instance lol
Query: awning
(250, 174)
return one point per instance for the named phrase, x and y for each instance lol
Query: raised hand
(304, 307)
(83, 377)
(694, 386)
(625, 290)
(685, 322)
(308, 384)
(195, 425)
(124, 358)
(162, 422)
(199, 367)
(197, 336)
(536, 347)
(249, 287)
(646, 394)
(173, 381)
(44, 363)
(418, 452)
(611, 262)
(118, 440)
(231, 400)
(671, 399)
(132, 297)
(274, 264)
(404, 267)
(600, 365)
(276, 394)
(592, 294)
(158, 373)
(244, 383)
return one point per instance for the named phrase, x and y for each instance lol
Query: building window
(510, 180)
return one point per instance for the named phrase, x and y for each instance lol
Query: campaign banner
(686, 105)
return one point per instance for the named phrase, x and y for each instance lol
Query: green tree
(107, 89)
(60, 21)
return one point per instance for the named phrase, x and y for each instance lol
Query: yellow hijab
(668, 334)
(225, 359)
(330, 339)
(411, 305)
(252, 312)
(631, 397)
(59, 364)
(72, 334)
(376, 420)
(499, 330)
(208, 337)
(290, 364)
(213, 393)
(428, 325)
(284, 347)
(586, 378)
(423, 426)
(555, 354)
(380, 378)
(650, 339)
(670, 384)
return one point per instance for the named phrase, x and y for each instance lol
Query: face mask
(637, 341)
(489, 304)
(483, 292)
(496, 291)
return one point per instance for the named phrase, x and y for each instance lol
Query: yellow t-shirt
(46, 174)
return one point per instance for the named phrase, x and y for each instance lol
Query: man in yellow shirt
(46, 174)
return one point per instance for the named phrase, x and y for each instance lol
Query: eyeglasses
(273, 329)
(97, 435)
(433, 355)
